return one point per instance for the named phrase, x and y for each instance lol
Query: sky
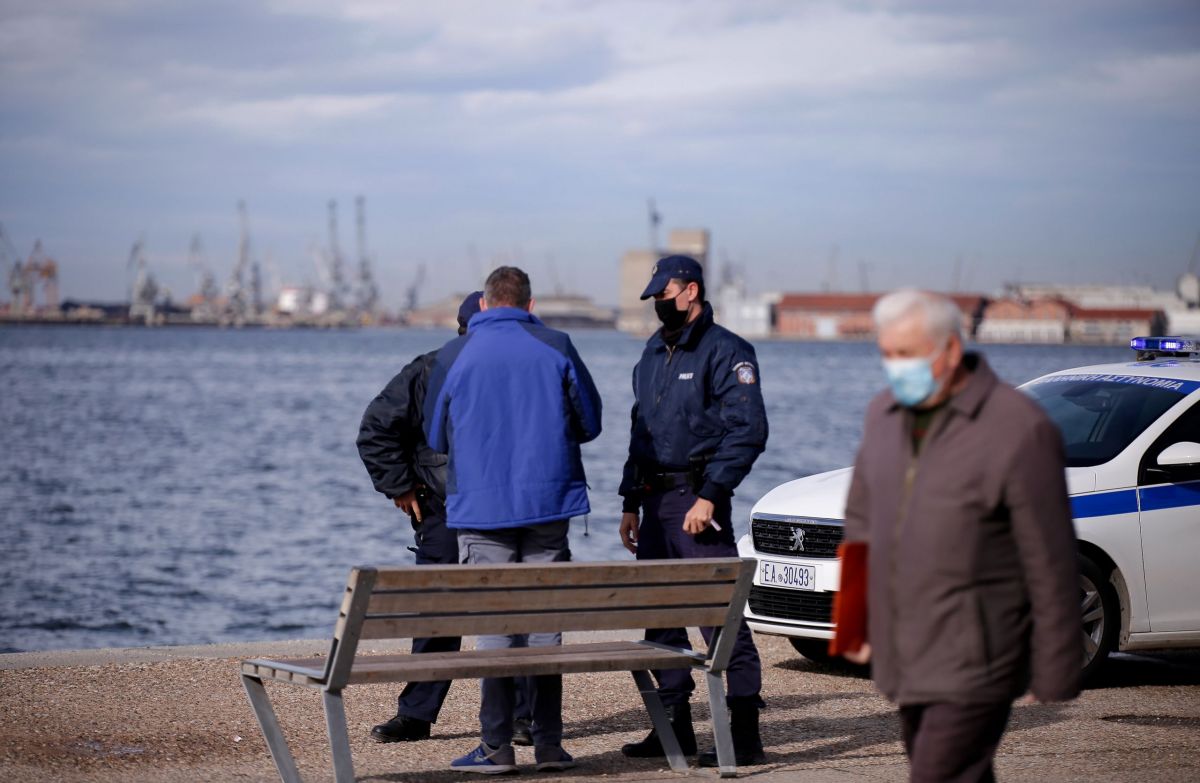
(824, 144)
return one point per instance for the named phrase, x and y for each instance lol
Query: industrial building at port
(1019, 313)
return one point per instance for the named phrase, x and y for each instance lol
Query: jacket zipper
(910, 480)
(659, 391)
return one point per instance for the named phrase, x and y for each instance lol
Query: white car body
(1146, 536)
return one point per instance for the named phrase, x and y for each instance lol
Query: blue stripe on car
(1103, 504)
(1166, 496)
(1125, 501)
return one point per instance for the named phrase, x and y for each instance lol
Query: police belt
(665, 481)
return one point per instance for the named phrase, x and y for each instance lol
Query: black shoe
(401, 729)
(747, 744)
(521, 733)
(680, 716)
(709, 758)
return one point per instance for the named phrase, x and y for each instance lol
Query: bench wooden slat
(316, 662)
(570, 659)
(546, 574)
(427, 625)
(281, 670)
(563, 599)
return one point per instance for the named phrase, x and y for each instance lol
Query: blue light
(1165, 344)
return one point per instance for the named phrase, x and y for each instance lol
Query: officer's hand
(698, 517)
(409, 505)
(629, 531)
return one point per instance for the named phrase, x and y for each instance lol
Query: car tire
(816, 650)
(1101, 615)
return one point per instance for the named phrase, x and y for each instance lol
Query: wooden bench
(463, 600)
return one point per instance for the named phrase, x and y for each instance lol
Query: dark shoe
(680, 716)
(521, 733)
(747, 744)
(709, 758)
(401, 729)
(552, 758)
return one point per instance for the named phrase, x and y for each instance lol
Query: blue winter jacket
(510, 402)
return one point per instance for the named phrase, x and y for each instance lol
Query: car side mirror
(1179, 454)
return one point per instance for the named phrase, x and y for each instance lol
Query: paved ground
(179, 714)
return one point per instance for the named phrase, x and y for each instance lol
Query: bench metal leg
(722, 736)
(261, 702)
(662, 724)
(339, 737)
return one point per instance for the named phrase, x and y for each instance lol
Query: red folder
(850, 601)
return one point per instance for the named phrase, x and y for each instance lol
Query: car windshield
(1100, 415)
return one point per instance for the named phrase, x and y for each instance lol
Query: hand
(861, 656)
(629, 531)
(409, 505)
(698, 517)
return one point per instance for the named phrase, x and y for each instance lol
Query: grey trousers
(541, 543)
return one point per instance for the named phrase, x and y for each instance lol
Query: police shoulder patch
(745, 372)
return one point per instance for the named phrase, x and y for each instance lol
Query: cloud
(506, 121)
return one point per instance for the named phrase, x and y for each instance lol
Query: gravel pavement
(179, 714)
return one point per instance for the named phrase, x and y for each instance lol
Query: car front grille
(780, 537)
(799, 605)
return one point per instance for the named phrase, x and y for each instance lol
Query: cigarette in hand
(713, 524)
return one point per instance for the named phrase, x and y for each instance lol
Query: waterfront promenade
(179, 714)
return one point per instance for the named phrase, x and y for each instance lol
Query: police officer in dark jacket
(698, 426)
(403, 467)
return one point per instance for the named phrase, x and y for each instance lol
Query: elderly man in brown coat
(959, 492)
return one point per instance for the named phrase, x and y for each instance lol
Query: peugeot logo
(797, 539)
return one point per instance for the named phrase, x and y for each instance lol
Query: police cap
(683, 268)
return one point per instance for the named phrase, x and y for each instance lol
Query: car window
(1099, 418)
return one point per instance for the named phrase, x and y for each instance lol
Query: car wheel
(816, 650)
(1101, 613)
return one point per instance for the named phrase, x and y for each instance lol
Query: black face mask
(672, 317)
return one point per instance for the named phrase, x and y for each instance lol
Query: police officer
(412, 475)
(698, 426)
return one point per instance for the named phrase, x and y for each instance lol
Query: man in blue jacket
(510, 403)
(391, 443)
(698, 426)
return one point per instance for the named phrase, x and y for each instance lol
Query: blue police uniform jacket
(511, 402)
(697, 402)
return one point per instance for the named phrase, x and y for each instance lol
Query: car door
(1169, 501)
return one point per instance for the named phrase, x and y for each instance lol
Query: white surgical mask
(911, 380)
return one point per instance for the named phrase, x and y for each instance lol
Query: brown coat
(973, 588)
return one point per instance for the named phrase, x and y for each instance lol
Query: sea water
(188, 486)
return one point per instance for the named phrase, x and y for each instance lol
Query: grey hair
(941, 316)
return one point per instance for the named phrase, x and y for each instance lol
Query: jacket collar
(691, 333)
(980, 383)
(494, 314)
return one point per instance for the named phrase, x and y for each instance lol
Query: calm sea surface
(192, 485)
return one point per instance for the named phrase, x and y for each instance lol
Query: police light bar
(1165, 344)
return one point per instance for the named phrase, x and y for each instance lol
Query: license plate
(789, 575)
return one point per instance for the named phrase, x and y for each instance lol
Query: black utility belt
(665, 482)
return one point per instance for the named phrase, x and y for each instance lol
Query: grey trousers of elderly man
(541, 543)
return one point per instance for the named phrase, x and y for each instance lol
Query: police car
(1132, 435)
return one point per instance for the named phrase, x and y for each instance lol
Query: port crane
(368, 292)
(143, 295)
(24, 277)
(244, 298)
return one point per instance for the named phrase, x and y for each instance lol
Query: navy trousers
(436, 545)
(661, 536)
